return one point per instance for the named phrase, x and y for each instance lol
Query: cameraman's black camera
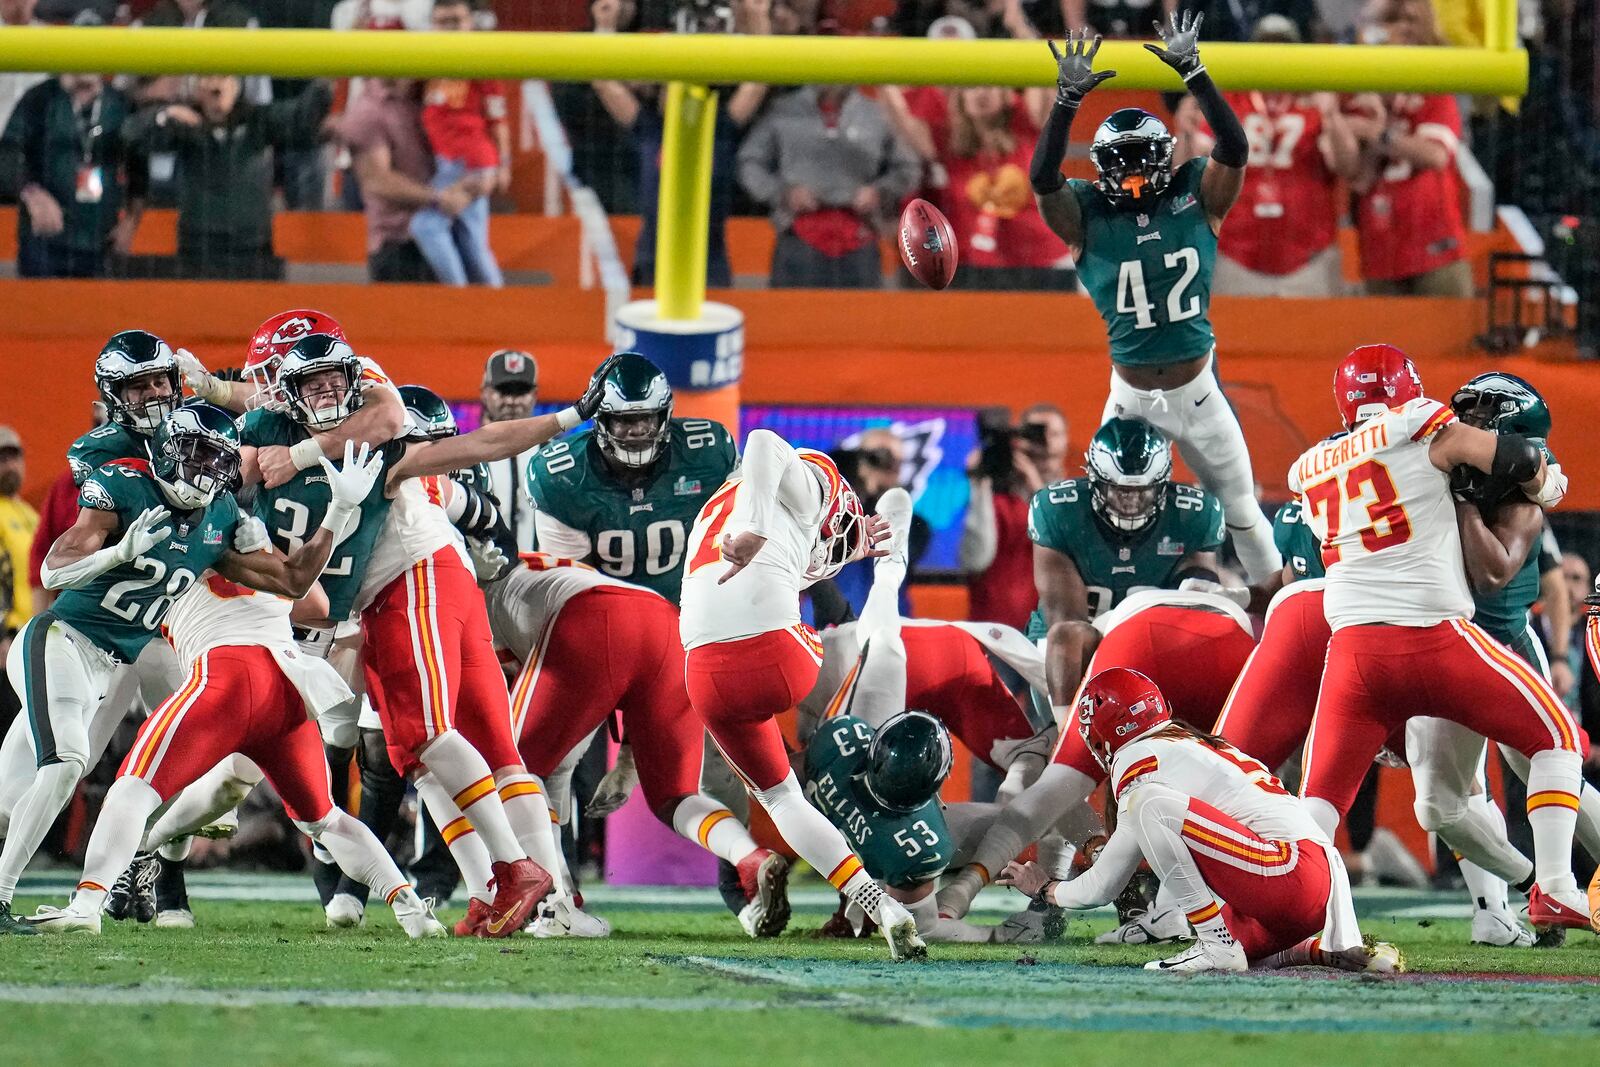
(997, 439)
(703, 16)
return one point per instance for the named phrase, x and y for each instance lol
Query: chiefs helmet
(843, 536)
(1371, 380)
(1119, 705)
(272, 342)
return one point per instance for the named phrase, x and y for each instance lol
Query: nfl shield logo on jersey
(1143, 219)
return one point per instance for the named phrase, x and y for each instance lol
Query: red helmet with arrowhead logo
(1371, 380)
(272, 341)
(1119, 705)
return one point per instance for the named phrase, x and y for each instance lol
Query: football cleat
(1382, 957)
(133, 894)
(764, 877)
(470, 923)
(175, 919)
(1548, 911)
(895, 505)
(900, 930)
(345, 911)
(560, 916)
(1594, 901)
(1499, 928)
(1203, 956)
(1024, 928)
(10, 924)
(415, 915)
(68, 920)
(1151, 927)
(519, 887)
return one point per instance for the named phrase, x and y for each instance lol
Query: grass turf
(261, 982)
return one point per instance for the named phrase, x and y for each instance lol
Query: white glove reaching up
(349, 484)
(201, 382)
(489, 561)
(251, 536)
(143, 534)
(615, 788)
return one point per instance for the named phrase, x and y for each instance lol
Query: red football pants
(1379, 676)
(738, 688)
(431, 666)
(949, 675)
(1276, 892)
(1192, 656)
(235, 699)
(1268, 714)
(612, 649)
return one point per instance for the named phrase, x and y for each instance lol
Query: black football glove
(1466, 484)
(1182, 40)
(1075, 73)
(589, 403)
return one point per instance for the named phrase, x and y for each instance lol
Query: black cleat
(10, 924)
(171, 893)
(133, 893)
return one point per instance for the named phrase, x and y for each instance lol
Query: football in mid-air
(927, 244)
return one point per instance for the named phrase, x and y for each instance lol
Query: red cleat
(764, 877)
(472, 923)
(518, 888)
(1545, 912)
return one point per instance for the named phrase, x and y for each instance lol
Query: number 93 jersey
(122, 610)
(1148, 269)
(900, 850)
(1112, 563)
(635, 533)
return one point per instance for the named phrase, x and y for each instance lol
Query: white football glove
(489, 561)
(143, 534)
(1238, 594)
(615, 788)
(251, 536)
(201, 382)
(1554, 488)
(349, 484)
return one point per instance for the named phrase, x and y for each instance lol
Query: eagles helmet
(135, 355)
(634, 389)
(429, 417)
(1132, 154)
(311, 356)
(908, 760)
(1503, 403)
(194, 455)
(1129, 465)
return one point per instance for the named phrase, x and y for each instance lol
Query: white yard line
(853, 1002)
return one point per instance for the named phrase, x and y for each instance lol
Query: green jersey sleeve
(102, 445)
(1201, 523)
(1055, 511)
(1296, 543)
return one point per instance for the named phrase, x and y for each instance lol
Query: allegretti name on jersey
(1373, 437)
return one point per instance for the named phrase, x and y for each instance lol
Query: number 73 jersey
(637, 533)
(1386, 521)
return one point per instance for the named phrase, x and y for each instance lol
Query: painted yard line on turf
(870, 1009)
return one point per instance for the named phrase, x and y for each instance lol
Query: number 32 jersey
(636, 533)
(1387, 524)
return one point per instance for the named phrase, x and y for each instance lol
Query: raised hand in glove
(144, 533)
(349, 484)
(1075, 73)
(616, 787)
(201, 382)
(1182, 40)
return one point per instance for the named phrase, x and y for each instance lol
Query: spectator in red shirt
(465, 122)
(1282, 238)
(1408, 212)
(60, 511)
(995, 552)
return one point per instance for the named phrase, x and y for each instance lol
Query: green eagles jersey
(122, 610)
(1149, 272)
(293, 511)
(638, 534)
(900, 850)
(102, 445)
(1111, 563)
(1296, 543)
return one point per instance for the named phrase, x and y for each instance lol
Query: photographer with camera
(1011, 464)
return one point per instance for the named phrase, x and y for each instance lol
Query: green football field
(263, 982)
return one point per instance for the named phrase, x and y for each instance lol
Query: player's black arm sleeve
(1044, 172)
(829, 607)
(1516, 459)
(1232, 148)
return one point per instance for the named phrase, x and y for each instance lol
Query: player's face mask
(842, 539)
(1129, 507)
(149, 398)
(633, 439)
(202, 469)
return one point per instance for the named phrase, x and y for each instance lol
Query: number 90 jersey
(1387, 523)
(1112, 563)
(900, 850)
(122, 610)
(635, 533)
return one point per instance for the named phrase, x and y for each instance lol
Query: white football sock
(458, 768)
(31, 819)
(1158, 814)
(814, 838)
(713, 827)
(358, 852)
(127, 807)
(522, 794)
(1553, 781)
(465, 846)
(203, 801)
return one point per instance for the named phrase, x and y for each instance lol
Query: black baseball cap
(511, 367)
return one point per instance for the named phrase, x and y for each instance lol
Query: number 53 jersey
(1386, 520)
(637, 533)
(122, 610)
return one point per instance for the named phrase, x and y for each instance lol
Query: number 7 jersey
(1387, 523)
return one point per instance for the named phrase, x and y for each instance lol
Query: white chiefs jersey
(778, 493)
(525, 603)
(214, 613)
(1387, 524)
(416, 527)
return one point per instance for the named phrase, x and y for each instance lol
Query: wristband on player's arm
(1232, 148)
(305, 454)
(1044, 172)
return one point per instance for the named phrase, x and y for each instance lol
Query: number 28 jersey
(1386, 521)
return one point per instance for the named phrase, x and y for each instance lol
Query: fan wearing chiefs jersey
(1399, 606)
(786, 520)
(1258, 879)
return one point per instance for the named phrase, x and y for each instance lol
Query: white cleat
(68, 920)
(1384, 958)
(415, 915)
(1499, 928)
(560, 916)
(895, 505)
(345, 911)
(900, 930)
(1203, 956)
(1149, 928)
(768, 911)
(175, 919)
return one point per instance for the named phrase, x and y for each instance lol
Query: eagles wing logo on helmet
(97, 496)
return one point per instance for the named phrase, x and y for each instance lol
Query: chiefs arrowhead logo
(293, 330)
(931, 240)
